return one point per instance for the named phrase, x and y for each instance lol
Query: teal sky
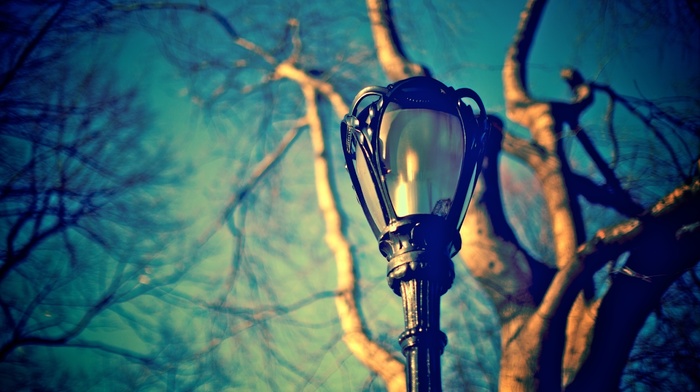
(464, 45)
(285, 259)
(463, 48)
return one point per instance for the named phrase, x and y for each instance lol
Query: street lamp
(414, 152)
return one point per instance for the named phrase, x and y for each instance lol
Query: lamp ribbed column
(422, 341)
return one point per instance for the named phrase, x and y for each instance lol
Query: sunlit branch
(529, 360)
(372, 355)
(290, 71)
(527, 151)
(368, 352)
(676, 210)
(581, 92)
(390, 54)
(509, 275)
(296, 41)
(515, 64)
(490, 178)
(662, 245)
(610, 126)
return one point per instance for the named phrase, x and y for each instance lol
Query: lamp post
(413, 150)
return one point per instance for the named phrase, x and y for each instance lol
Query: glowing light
(400, 198)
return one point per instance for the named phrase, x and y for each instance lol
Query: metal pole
(422, 342)
(420, 275)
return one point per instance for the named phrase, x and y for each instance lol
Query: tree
(552, 295)
(85, 234)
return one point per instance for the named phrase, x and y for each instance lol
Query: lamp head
(413, 150)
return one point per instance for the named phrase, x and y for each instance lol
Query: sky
(474, 60)
(463, 43)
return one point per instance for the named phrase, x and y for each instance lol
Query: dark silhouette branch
(605, 195)
(267, 163)
(19, 338)
(682, 170)
(673, 212)
(203, 9)
(662, 245)
(33, 43)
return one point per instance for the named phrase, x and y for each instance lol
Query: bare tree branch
(506, 275)
(663, 245)
(514, 66)
(682, 168)
(676, 208)
(261, 168)
(372, 355)
(203, 9)
(8, 75)
(386, 40)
